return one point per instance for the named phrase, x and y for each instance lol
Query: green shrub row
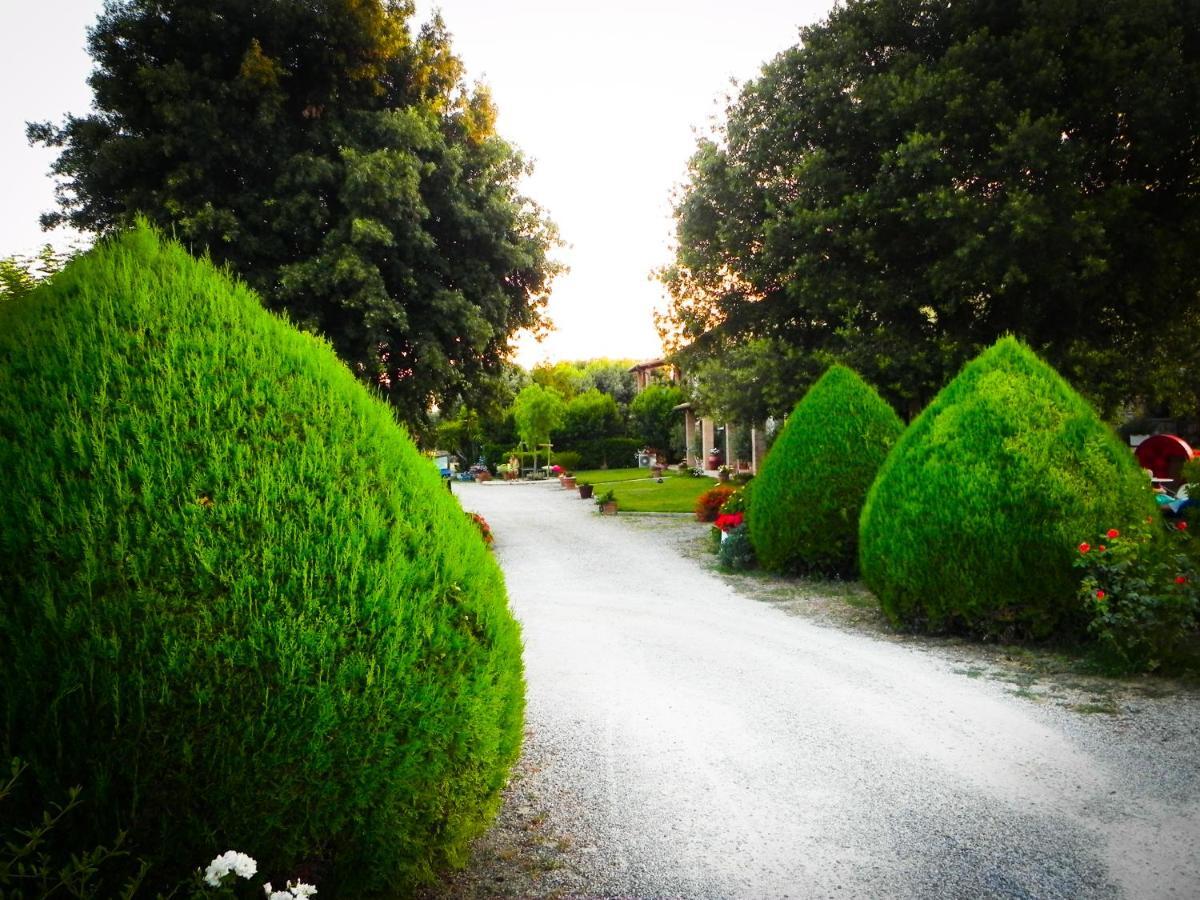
(969, 520)
(236, 604)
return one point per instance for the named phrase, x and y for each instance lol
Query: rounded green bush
(236, 604)
(804, 510)
(974, 520)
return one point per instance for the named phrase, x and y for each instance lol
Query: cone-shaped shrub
(806, 501)
(974, 520)
(236, 604)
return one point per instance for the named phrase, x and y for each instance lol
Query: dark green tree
(588, 417)
(335, 160)
(653, 417)
(749, 381)
(918, 177)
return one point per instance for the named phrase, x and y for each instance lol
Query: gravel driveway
(687, 741)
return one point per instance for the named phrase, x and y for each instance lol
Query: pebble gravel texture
(684, 740)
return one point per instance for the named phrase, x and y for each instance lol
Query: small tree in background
(538, 413)
(808, 496)
(974, 520)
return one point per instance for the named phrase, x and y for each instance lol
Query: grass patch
(676, 493)
(605, 476)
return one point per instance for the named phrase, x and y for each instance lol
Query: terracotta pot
(722, 476)
(609, 509)
(483, 476)
(714, 461)
(585, 491)
(568, 483)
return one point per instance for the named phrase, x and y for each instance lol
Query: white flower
(300, 890)
(281, 895)
(230, 861)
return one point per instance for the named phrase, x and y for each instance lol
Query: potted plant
(607, 503)
(724, 472)
(568, 481)
(585, 491)
(714, 458)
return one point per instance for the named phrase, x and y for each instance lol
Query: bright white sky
(605, 97)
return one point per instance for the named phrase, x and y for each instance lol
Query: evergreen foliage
(589, 416)
(807, 498)
(973, 522)
(653, 416)
(235, 603)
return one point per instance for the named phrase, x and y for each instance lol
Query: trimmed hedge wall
(804, 510)
(974, 520)
(236, 604)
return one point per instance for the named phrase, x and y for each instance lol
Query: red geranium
(1113, 533)
(1085, 547)
(1100, 595)
(1182, 526)
(1181, 579)
(727, 521)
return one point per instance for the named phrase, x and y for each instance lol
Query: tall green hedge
(975, 517)
(236, 604)
(807, 497)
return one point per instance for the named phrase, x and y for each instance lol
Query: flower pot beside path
(585, 491)
(608, 509)
(568, 482)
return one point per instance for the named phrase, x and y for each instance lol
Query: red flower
(1113, 533)
(1180, 579)
(1100, 595)
(1101, 548)
(726, 521)
(1182, 526)
(1085, 547)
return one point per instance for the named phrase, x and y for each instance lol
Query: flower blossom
(296, 890)
(1085, 547)
(230, 861)
(1113, 534)
(728, 521)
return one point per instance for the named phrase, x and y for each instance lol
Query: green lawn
(604, 476)
(677, 493)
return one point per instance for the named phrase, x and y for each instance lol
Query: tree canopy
(335, 159)
(538, 413)
(918, 177)
(653, 417)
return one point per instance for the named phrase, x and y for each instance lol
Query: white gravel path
(694, 742)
